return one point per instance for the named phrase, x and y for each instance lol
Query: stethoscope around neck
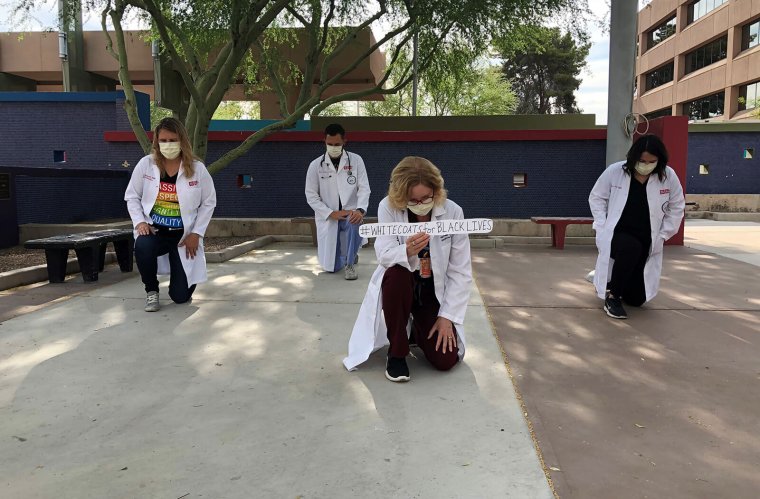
(328, 165)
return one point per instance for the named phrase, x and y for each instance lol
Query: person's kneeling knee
(180, 298)
(445, 363)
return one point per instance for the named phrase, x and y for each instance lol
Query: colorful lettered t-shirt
(165, 212)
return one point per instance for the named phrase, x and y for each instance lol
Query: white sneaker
(351, 274)
(590, 276)
(151, 302)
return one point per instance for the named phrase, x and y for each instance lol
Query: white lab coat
(666, 209)
(452, 274)
(197, 199)
(326, 191)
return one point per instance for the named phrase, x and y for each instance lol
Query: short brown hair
(412, 171)
(175, 126)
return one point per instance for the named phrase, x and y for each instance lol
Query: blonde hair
(412, 171)
(186, 149)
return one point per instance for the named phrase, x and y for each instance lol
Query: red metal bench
(559, 227)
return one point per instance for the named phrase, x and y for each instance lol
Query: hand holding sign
(416, 242)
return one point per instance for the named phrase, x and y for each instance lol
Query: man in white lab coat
(338, 191)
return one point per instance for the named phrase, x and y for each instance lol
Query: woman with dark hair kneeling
(427, 278)
(637, 205)
(170, 199)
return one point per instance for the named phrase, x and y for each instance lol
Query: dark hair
(335, 129)
(651, 144)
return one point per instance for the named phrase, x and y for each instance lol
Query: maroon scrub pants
(399, 301)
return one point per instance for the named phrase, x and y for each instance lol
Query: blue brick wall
(31, 131)
(34, 124)
(729, 172)
(478, 176)
(69, 200)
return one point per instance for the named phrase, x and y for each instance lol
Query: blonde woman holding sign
(426, 277)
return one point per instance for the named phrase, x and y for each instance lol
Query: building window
(749, 96)
(659, 77)
(244, 181)
(701, 8)
(751, 35)
(520, 179)
(659, 113)
(709, 106)
(706, 54)
(661, 32)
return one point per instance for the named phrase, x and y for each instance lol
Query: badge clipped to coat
(351, 178)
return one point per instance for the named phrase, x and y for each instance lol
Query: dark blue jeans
(147, 251)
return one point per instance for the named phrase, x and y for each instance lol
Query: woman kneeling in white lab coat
(427, 278)
(170, 199)
(637, 205)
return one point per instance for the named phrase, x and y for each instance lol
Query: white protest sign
(433, 228)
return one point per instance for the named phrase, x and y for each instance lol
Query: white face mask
(169, 150)
(420, 209)
(334, 151)
(645, 168)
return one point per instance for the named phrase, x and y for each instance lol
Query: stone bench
(90, 248)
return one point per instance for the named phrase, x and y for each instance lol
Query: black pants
(630, 254)
(147, 251)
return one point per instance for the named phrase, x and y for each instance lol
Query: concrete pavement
(663, 404)
(242, 394)
(736, 240)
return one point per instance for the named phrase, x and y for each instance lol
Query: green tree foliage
(458, 83)
(157, 113)
(337, 109)
(235, 110)
(544, 69)
(489, 93)
(292, 47)
(482, 92)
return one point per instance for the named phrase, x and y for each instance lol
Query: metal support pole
(623, 32)
(155, 51)
(415, 79)
(63, 46)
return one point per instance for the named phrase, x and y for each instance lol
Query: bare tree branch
(275, 77)
(130, 101)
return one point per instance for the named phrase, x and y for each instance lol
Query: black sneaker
(396, 369)
(614, 307)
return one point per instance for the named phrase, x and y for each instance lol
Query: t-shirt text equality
(433, 228)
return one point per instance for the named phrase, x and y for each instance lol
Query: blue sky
(591, 96)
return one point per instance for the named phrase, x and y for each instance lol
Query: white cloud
(592, 94)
